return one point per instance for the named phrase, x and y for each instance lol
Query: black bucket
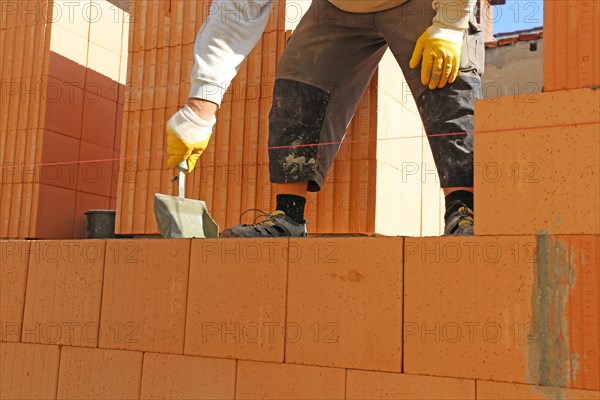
(101, 224)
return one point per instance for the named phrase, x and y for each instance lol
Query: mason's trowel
(178, 217)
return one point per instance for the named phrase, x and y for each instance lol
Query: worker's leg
(444, 111)
(320, 80)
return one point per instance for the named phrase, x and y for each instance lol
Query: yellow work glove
(187, 137)
(439, 49)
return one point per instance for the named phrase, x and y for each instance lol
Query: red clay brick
(152, 10)
(345, 303)
(29, 47)
(585, 295)
(54, 204)
(114, 179)
(468, 307)
(236, 144)
(64, 284)
(97, 84)
(14, 257)
(17, 208)
(12, 108)
(162, 78)
(143, 145)
(510, 391)
(153, 185)
(113, 206)
(6, 199)
(28, 371)
(123, 91)
(251, 128)
(380, 385)
(138, 35)
(220, 139)
(99, 374)
(14, 223)
(95, 172)
(191, 24)
(66, 70)
(64, 107)
(148, 88)
(236, 302)
(257, 380)
(515, 175)
(184, 377)
(567, 307)
(132, 92)
(141, 201)
(125, 193)
(9, 140)
(177, 12)
(175, 52)
(60, 153)
(23, 149)
(99, 115)
(118, 127)
(157, 147)
(516, 309)
(571, 50)
(144, 295)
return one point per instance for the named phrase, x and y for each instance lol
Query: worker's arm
(229, 33)
(224, 41)
(438, 49)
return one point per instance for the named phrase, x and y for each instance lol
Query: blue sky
(518, 14)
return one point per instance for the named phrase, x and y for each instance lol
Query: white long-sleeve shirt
(228, 35)
(233, 28)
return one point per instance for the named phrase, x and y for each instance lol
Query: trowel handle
(182, 168)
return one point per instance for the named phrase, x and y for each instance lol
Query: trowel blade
(178, 217)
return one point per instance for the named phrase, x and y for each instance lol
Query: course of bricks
(487, 317)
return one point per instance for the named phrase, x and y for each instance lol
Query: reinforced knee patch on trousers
(295, 124)
(448, 112)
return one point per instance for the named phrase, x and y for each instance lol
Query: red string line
(6, 165)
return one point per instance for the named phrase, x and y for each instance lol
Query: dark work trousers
(327, 66)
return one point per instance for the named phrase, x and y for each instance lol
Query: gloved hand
(439, 48)
(187, 137)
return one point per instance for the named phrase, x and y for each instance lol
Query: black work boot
(276, 224)
(459, 222)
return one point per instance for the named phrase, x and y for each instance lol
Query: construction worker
(325, 70)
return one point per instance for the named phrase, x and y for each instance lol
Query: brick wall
(398, 318)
